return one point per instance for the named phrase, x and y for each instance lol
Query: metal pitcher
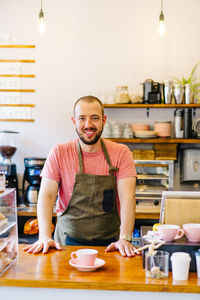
(178, 93)
(167, 91)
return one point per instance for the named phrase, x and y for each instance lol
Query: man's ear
(73, 120)
(104, 119)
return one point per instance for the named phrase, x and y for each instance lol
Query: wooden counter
(52, 270)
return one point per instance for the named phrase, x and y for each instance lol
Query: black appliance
(33, 168)
(152, 92)
(187, 123)
(10, 172)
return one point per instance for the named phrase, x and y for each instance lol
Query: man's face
(89, 122)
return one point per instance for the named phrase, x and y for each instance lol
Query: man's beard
(92, 142)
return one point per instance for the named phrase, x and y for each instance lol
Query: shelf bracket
(194, 112)
(147, 112)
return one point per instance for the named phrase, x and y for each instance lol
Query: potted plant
(193, 81)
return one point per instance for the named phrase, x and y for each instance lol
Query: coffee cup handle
(74, 255)
(179, 234)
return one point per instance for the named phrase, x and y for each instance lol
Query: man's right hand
(42, 245)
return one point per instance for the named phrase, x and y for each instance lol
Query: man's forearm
(126, 188)
(44, 214)
(127, 219)
(46, 200)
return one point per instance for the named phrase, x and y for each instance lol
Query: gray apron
(91, 214)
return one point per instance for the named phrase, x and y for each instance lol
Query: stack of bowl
(163, 129)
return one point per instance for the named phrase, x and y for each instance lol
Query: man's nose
(88, 122)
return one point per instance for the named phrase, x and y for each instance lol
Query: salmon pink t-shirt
(62, 164)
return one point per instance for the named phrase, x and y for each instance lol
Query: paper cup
(180, 265)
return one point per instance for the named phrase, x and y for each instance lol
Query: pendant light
(41, 23)
(161, 27)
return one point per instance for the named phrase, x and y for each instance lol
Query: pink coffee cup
(85, 257)
(169, 232)
(192, 231)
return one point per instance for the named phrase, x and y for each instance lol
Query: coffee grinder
(33, 168)
(8, 147)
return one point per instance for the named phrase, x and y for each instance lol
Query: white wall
(92, 46)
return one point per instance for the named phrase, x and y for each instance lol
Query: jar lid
(121, 86)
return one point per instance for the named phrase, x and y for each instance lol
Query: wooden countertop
(52, 270)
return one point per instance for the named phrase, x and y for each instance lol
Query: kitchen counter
(119, 273)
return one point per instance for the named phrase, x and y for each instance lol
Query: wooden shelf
(18, 60)
(17, 75)
(17, 46)
(129, 105)
(17, 120)
(156, 141)
(21, 91)
(18, 105)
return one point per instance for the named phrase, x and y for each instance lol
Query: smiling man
(93, 180)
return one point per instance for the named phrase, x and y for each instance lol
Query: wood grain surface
(52, 270)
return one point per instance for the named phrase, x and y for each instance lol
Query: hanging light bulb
(41, 23)
(161, 27)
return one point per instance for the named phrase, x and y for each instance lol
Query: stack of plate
(145, 134)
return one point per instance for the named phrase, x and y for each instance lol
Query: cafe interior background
(89, 48)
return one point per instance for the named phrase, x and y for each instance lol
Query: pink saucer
(98, 264)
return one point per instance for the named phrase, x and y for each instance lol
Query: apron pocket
(108, 200)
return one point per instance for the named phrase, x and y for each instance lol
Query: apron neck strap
(80, 157)
(112, 169)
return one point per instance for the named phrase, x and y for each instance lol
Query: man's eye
(95, 118)
(81, 119)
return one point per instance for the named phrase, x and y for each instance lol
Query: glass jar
(122, 94)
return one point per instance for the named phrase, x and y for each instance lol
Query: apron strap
(80, 157)
(112, 169)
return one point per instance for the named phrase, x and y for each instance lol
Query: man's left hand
(125, 248)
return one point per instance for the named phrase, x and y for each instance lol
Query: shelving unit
(155, 141)
(129, 105)
(19, 76)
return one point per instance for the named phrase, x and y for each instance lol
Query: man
(96, 181)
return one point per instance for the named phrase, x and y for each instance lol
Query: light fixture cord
(161, 5)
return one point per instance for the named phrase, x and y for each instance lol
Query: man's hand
(42, 245)
(124, 247)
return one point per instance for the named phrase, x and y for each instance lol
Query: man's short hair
(89, 99)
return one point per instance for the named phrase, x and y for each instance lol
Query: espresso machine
(152, 92)
(32, 179)
(8, 147)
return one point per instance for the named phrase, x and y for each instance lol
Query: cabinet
(10, 85)
(8, 229)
